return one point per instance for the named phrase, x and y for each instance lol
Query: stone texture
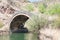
(49, 34)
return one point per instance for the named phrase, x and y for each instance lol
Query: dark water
(19, 36)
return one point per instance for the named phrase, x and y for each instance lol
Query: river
(19, 36)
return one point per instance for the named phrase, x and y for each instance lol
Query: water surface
(19, 36)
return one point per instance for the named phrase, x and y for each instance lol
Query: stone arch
(19, 19)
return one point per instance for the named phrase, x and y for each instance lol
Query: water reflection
(19, 36)
(16, 36)
(31, 36)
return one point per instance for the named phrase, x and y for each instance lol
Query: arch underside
(17, 24)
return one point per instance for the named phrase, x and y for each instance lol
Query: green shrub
(53, 9)
(29, 7)
(56, 23)
(41, 8)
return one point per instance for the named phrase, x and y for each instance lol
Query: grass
(1, 24)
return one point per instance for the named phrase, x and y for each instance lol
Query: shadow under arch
(17, 24)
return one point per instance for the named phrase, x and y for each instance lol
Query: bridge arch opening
(17, 24)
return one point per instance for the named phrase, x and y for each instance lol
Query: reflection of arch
(17, 21)
(14, 36)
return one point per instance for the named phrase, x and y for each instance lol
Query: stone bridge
(17, 21)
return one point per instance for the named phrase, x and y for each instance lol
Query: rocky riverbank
(49, 34)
